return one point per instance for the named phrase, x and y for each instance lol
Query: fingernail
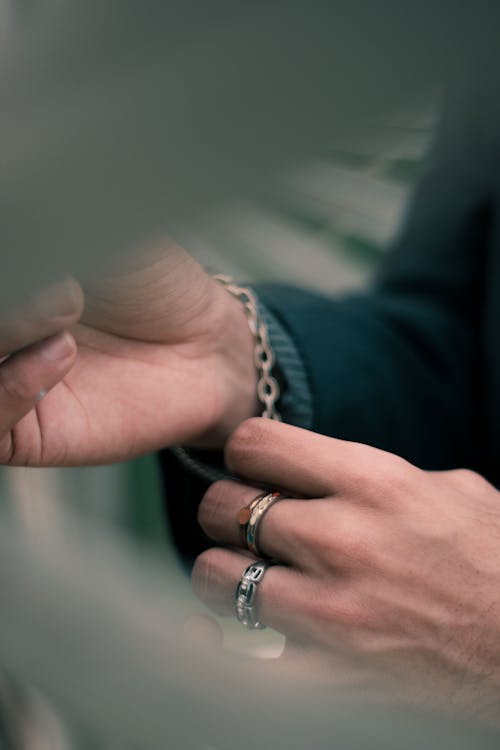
(57, 347)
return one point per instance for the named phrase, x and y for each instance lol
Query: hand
(162, 355)
(390, 574)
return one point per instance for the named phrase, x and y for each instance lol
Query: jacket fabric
(412, 365)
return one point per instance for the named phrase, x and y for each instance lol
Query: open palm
(150, 369)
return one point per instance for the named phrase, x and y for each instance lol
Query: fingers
(322, 537)
(282, 596)
(312, 465)
(295, 604)
(218, 516)
(55, 309)
(25, 378)
(280, 533)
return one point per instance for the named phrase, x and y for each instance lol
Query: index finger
(310, 465)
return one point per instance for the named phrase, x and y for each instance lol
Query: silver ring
(244, 599)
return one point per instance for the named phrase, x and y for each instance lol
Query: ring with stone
(258, 511)
(244, 516)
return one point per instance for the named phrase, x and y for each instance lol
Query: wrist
(233, 372)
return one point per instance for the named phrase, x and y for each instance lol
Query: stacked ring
(245, 594)
(244, 517)
(255, 513)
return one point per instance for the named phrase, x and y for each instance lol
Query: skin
(388, 576)
(156, 355)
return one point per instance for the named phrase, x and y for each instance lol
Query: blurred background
(325, 226)
(108, 105)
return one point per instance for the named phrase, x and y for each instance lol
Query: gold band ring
(257, 510)
(244, 516)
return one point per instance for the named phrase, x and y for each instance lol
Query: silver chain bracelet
(268, 390)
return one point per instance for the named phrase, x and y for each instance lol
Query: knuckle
(397, 472)
(354, 552)
(468, 480)
(381, 478)
(341, 547)
(323, 546)
(396, 480)
(356, 621)
(342, 615)
(243, 440)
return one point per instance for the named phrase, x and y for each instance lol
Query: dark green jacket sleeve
(400, 366)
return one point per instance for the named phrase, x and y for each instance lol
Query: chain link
(268, 390)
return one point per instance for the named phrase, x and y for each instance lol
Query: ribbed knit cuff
(295, 403)
(296, 406)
